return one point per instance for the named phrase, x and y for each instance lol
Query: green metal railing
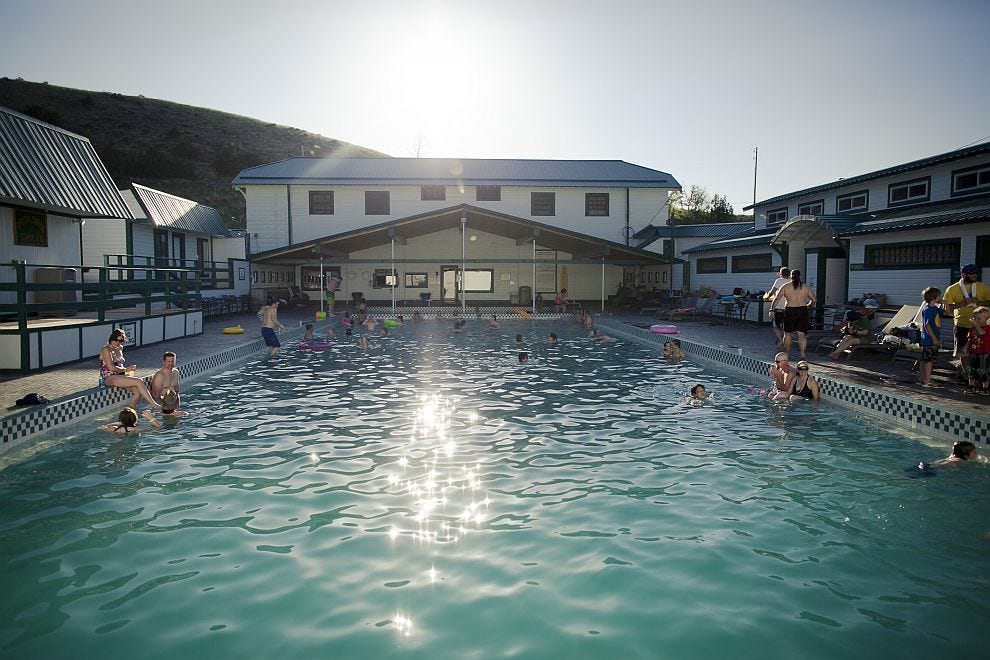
(212, 274)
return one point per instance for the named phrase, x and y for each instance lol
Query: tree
(721, 210)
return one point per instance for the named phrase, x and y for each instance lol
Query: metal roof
(454, 171)
(953, 212)
(744, 239)
(166, 210)
(580, 246)
(713, 230)
(48, 168)
(949, 156)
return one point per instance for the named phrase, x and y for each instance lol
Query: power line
(985, 137)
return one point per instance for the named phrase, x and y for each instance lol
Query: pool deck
(78, 379)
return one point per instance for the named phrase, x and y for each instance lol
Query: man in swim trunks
(165, 384)
(269, 321)
(777, 315)
(798, 298)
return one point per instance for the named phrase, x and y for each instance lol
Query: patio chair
(903, 317)
(702, 307)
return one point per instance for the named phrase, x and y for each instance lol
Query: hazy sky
(826, 89)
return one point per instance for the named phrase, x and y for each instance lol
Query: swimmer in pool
(699, 393)
(672, 350)
(493, 324)
(309, 333)
(127, 421)
(364, 343)
(598, 335)
(552, 339)
(523, 357)
(963, 450)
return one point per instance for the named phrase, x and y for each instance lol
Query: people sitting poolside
(114, 374)
(859, 327)
(672, 350)
(127, 421)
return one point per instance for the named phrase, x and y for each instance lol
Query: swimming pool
(434, 498)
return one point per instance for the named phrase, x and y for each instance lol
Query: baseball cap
(970, 268)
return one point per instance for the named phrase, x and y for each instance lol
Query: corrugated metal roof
(45, 167)
(745, 239)
(961, 211)
(949, 156)
(450, 171)
(166, 210)
(701, 231)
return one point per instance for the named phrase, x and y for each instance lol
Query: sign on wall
(30, 228)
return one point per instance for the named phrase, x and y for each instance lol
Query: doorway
(450, 279)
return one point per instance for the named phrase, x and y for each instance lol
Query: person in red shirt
(978, 350)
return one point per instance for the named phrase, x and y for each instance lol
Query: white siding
(103, 236)
(903, 287)
(725, 283)
(144, 240)
(267, 217)
(62, 250)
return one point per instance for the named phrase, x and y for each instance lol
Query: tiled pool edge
(882, 407)
(16, 429)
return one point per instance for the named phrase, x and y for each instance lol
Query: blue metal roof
(713, 230)
(451, 171)
(165, 210)
(949, 156)
(48, 168)
(957, 211)
(744, 239)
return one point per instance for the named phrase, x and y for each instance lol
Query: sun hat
(780, 356)
(970, 268)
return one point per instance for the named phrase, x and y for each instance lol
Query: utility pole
(756, 161)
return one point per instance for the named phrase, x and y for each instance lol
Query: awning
(581, 247)
(812, 231)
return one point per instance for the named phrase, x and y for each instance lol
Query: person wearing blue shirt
(931, 333)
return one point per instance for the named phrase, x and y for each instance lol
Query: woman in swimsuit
(802, 385)
(114, 373)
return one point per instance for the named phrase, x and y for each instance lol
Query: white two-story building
(894, 231)
(405, 227)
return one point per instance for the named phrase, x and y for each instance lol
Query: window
(488, 193)
(752, 263)
(596, 204)
(812, 208)
(321, 202)
(417, 281)
(908, 192)
(432, 193)
(376, 202)
(776, 216)
(384, 278)
(479, 280)
(712, 265)
(929, 254)
(542, 203)
(971, 180)
(31, 228)
(857, 201)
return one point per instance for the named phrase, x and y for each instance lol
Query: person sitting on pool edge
(127, 421)
(672, 350)
(115, 374)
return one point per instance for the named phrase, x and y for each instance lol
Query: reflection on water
(432, 497)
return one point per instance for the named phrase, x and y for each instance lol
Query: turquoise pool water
(434, 498)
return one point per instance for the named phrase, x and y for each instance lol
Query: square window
(321, 202)
(776, 216)
(376, 202)
(542, 203)
(908, 192)
(811, 208)
(596, 204)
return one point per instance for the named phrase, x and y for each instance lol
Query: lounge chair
(702, 307)
(903, 317)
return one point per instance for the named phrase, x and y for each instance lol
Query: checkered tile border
(15, 429)
(883, 407)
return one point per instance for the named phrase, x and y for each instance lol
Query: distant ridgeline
(181, 149)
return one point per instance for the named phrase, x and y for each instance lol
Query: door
(161, 252)
(449, 283)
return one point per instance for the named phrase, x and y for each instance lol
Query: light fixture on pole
(463, 261)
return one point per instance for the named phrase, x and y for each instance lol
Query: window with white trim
(852, 202)
(971, 180)
(908, 192)
(816, 207)
(596, 204)
(777, 216)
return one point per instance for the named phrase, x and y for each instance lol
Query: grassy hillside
(184, 150)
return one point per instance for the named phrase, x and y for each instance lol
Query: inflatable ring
(233, 330)
(664, 329)
(392, 323)
(315, 345)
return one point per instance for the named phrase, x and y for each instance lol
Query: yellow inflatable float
(233, 330)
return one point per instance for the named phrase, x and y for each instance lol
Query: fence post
(101, 311)
(20, 268)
